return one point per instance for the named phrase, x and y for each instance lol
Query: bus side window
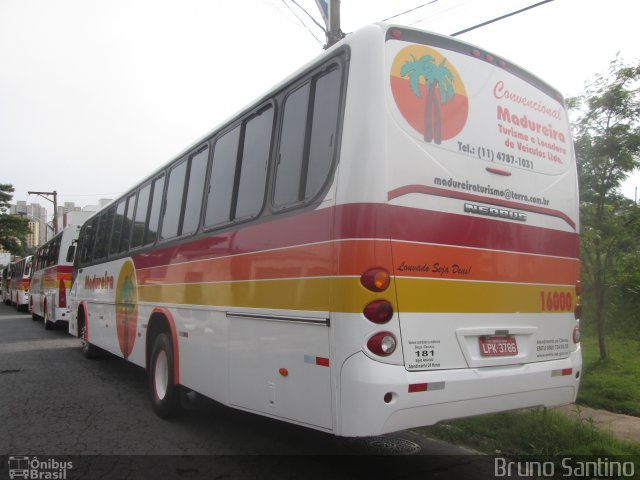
(117, 227)
(88, 236)
(105, 227)
(223, 171)
(308, 145)
(140, 217)
(195, 188)
(326, 108)
(127, 224)
(292, 145)
(253, 168)
(173, 201)
(71, 253)
(151, 232)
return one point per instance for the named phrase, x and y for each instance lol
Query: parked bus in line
(51, 278)
(386, 239)
(4, 284)
(20, 273)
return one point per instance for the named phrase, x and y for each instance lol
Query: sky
(95, 95)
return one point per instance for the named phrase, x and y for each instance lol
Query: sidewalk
(624, 427)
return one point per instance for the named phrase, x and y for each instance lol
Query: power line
(500, 18)
(410, 10)
(310, 16)
(302, 22)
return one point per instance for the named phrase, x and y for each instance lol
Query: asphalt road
(55, 404)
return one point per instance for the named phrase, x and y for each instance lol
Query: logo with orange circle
(126, 307)
(429, 93)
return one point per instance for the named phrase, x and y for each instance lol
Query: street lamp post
(46, 196)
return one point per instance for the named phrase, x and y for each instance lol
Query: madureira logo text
(99, 283)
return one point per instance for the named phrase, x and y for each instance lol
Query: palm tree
(434, 75)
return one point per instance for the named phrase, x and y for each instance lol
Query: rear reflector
(562, 373)
(424, 387)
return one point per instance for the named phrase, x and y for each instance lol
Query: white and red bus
(386, 239)
(4, 284)
(51, 278)
(20, 277)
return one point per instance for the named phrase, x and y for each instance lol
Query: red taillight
(383, 344)
(396, 34)
(378, 311)
(476, 53)
(62, 295)
(375, 279)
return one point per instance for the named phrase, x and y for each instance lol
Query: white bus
(386, 239)
(19, 279)
(51, 278)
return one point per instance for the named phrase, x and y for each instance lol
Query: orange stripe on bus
(354, 257)
(437, 261)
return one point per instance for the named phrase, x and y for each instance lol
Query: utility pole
(330, 10)
(46, 196)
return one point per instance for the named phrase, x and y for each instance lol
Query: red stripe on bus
(370, 221)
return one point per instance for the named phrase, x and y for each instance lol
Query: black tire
(88, 350)
(48, 325)
(163, 392)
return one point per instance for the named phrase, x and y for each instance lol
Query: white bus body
(388, 239)
(20, 275)
(51, 279)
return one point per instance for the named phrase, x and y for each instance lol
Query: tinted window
(127, 224)
(104, 234)
(223, 171)
(117, 226)
(175, 190)
(140, 219)
(255, 158)
(88, 239)
(292, 140)
(324, 130)
(195, 188)
(154, 216)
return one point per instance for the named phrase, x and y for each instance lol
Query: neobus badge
(495, 212)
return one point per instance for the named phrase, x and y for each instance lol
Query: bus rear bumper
(62, 315)
(425, 398)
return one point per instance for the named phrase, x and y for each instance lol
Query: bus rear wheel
(88, 350)
(48, 325)
(163, 392)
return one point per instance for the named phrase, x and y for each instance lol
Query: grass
(540, 432)
(612, 384)
(548, 435)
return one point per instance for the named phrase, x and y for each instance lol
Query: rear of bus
(469, 201)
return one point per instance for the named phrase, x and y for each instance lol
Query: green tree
(13, 228)
(434, 75)
(607, 143)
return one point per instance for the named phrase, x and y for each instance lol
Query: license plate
(498, 346)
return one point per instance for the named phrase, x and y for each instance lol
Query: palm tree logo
(126, 308)
(435, 76)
